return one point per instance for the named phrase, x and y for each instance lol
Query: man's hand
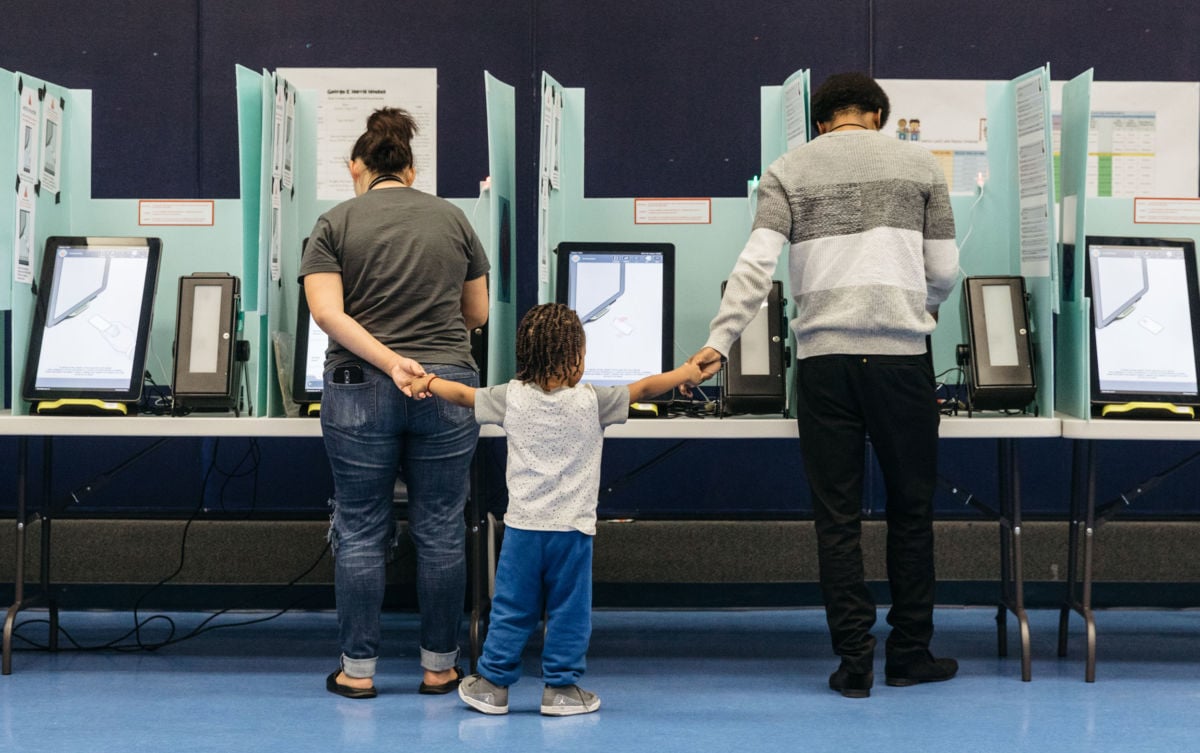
(708, 362)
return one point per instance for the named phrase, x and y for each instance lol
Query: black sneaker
(922, 668)
(852, 684)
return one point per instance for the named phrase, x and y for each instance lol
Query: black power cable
(119, 644)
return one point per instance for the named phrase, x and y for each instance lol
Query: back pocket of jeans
(349, 406)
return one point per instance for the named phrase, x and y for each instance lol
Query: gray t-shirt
(404, 256)
(555, 441)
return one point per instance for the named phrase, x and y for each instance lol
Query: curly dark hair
(386, 146)
(549, 343)
(848, 91)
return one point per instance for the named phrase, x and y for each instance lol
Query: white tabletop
(158, 426)
(980, 426)
(1120, 428)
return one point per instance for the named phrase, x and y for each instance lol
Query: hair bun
(386, 146)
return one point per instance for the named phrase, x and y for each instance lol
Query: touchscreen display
(1144, 342)
(623, 298)
(94, 313)
(314, 358)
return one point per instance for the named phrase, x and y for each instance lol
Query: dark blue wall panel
(1124, 40)
(460, 39)
(672, 110)
(673, 87)
(140, 59)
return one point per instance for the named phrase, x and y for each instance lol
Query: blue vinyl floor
(669, 680)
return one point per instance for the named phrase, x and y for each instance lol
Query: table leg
(481, 527)
(1081, 534)
(1079, 465)
(1089, 539)
(47, 502)
(19, 569)
(1012, 571)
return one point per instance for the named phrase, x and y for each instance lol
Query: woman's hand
(403, 371)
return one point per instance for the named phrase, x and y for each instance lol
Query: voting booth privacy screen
(624, 294)
(92, 319)
(1145, 320)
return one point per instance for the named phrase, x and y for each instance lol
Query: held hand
(707, 362)
(418, 388)
(403, 371)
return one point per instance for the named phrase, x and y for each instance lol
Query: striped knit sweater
(872, 247)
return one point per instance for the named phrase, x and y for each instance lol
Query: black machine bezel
(129, 393)
(667, 250)
(220, 385)
(998, 387)
(760, 393)
(301, 394)
(1112, 397)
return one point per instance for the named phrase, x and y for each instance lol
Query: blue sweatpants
(540, 569)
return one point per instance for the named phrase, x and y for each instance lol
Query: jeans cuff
(435, 662)
(358, 668)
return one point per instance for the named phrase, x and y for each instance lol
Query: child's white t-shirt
(555, 441)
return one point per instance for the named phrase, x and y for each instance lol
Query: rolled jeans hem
(435, 662)
(359, 669)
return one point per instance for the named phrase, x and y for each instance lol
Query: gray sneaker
(482, 695)
(568, 701)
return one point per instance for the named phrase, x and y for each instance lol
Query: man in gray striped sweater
(872, 257)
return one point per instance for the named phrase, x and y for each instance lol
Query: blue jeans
(373, 433)
(540, 569)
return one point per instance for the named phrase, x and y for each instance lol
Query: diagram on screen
(79, 280)
(1119, 282)
(117, 335)
(606, 305)
(1143, 325)
(619, 299)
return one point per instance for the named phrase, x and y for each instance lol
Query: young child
(555, 429)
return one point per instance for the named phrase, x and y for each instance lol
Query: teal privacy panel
(1072, 343)
(501, 235)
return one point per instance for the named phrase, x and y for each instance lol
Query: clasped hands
(406, 372)
(709, 362)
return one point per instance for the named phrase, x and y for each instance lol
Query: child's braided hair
(549, 344)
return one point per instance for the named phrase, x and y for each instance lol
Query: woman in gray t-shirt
(396, 278)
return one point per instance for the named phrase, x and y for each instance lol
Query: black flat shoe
(443, 688)
(345, 691)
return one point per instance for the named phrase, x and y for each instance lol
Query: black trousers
(842, 400)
